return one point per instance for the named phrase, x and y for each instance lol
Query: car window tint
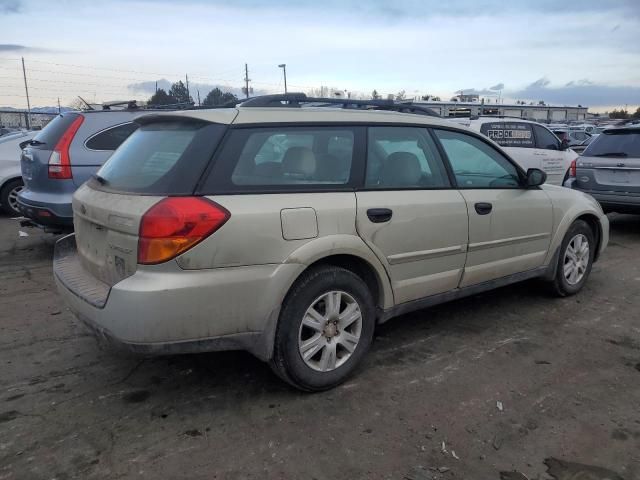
(476, 164)
(292, 156)
(403, 157)
(111, 138)
(509, 134)
(615, 143)
(545, 139)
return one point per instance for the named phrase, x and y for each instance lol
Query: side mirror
(535, 177)
(564, 144)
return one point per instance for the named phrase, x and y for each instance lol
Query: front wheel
(575, 260)
(325, 328)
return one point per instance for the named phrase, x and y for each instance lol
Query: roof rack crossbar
(296, 100)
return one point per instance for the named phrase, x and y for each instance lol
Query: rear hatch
(35, 158)
(163, 159)
(611, 162)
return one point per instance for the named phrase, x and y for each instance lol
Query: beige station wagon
(292, 232)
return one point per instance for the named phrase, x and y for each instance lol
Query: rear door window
(161, 158)
(545, 139)
(49, 135)
(509, 134)
(403, 157)
(284, 158)
(111, 138)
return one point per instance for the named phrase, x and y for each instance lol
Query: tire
(325, 345)
(8, 196)
(568, 280)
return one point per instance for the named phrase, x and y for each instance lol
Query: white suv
(530, 144)
(293, 232)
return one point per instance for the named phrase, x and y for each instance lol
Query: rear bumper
(46, 212)
(614, 201)
(165, 310)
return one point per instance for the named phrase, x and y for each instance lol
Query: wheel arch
(594, 223)
(351, 254)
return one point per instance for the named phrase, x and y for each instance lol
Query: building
(538, 113)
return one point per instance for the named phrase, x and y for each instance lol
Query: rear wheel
(9, 196)
(575, 260)
(325, 328)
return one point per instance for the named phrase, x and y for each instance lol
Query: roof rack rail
(296, 100)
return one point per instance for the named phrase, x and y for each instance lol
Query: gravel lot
(497, 383)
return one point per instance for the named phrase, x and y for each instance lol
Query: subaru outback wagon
(292, 232)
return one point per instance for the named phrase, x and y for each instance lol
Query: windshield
(619, 143)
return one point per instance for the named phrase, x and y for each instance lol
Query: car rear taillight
(573, 168)
(59, 161)
(174, 225)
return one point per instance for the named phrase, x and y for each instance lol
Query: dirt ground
(475, 389)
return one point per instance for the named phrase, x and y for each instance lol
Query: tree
(375, 95)
(179, 92)
(218, 97)
(619, 114)
(636, 114)
(400, 95)
(161, 98)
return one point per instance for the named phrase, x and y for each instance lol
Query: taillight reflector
(176, 224)
(573, 168)
(60, 162)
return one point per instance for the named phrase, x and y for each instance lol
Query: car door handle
(483, 208)
(379, 215)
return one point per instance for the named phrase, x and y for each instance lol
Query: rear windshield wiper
(611, 154)
(35, 142)
(100, 180)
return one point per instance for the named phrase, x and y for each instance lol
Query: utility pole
(156, 86)
(59, 106)
(283, 66)
(186, 77)
(246, 80)
(26, 89)
(198, 90)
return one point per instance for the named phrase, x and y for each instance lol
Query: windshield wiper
(611, 154)
(100, 180)
(35, 142)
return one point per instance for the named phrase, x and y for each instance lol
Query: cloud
(579, 92)
(15, 48)
(149, 87)
(499, 86)
(10, 6)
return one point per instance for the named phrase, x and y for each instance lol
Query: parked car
(579, 149)
(570, 137)
(530, 144)
(66, 153)
(609, 169)
(293, 232)
(10, 176)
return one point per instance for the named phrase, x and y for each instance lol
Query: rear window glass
(111, 138)
(50, 134)
(161, 158)
(623, 143)
(509, 134)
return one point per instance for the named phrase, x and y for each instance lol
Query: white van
(530, 144)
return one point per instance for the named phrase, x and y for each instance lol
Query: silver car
(609, 169)
(293, 232)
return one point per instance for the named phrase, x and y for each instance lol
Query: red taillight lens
(174, 225)
(60, 162)
(573, 168)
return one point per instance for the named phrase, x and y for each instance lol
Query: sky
(564, 52)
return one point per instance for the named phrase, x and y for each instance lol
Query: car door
(555, 161)
(509, 225)
(409, 214)
(516, 138)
